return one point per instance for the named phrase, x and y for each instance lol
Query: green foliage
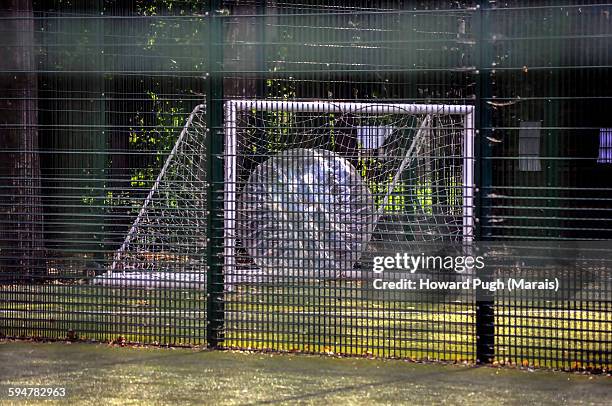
(281, 89)
(158, 139)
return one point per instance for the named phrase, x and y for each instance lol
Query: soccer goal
(312, 186)
(310, 190)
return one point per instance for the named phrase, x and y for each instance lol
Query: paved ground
(100, 375)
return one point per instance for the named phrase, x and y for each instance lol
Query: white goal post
(232, 128)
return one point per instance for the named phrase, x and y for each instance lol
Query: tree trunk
(246, 64)
(21, 226)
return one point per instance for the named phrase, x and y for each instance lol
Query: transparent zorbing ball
(305, 212)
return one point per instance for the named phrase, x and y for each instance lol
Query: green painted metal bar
(215, 277)
(485, 316)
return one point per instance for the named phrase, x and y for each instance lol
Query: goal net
(313, 189)
(166, 244)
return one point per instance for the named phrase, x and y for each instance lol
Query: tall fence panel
(548, 171)
(333, 77)
(106, 93)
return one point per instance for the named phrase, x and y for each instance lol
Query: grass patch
(330, 319)
(98, 374)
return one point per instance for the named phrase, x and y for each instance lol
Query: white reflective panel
(373, 137)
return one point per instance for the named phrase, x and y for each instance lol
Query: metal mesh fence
(224, 173)
(318, 189)
(94, 99)
(542, 179)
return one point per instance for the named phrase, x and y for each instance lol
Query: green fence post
(485, 312)
(215, 281)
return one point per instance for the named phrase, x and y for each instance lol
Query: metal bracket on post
(215, 285)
